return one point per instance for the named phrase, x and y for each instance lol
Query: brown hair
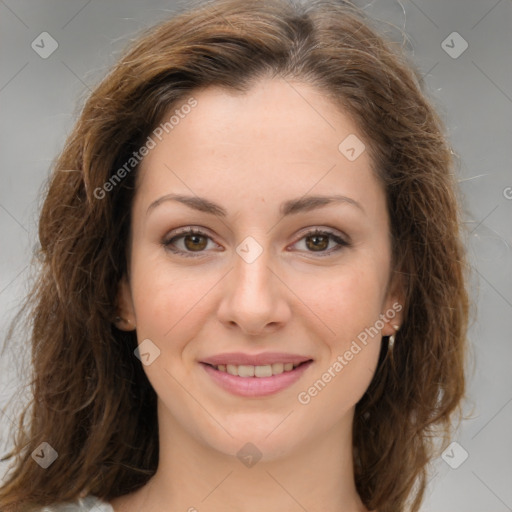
(92, 401)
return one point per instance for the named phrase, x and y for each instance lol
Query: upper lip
(239, 358)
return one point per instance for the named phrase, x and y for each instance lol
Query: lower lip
(256, 386)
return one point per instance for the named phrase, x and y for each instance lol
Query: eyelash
(167, 243)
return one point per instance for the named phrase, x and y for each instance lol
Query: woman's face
(255, 280)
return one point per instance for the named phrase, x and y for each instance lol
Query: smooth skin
(248, 153)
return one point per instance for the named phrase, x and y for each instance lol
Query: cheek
(347, 299)
(350, 307)
(337, 387)
(169, 304)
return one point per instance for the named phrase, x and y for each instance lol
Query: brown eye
(195, 242)
(188, 242)
(317, 242)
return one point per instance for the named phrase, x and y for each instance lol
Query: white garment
(88, 504)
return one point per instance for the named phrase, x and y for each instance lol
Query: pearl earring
(119, 319)
(391, 341)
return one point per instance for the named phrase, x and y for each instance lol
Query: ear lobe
(125, 319)
(394, 306)
(393, 317)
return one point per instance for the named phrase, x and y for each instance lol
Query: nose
(254, 297)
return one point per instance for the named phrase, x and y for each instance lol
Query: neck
(192, 476)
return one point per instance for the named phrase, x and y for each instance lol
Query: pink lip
(238, 358)
(255, 386)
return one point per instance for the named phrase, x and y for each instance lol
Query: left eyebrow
(290, 207)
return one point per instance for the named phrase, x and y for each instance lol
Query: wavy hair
(91, 399)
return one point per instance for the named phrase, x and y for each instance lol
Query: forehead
(278, 138)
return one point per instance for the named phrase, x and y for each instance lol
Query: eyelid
(341, 238)
(182, 232)
(325, 228)
(343, 241)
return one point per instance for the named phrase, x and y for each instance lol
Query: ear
(125, 320)
(394, 305)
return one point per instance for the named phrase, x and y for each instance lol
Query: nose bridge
(252, 298)
(252, 275)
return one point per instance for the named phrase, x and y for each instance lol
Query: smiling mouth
(266, 370)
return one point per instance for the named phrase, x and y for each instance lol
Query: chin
(251, 439)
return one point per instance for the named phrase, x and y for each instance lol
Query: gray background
(39, 98)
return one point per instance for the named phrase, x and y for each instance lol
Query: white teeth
(263, 371)
(246, 370)
(232, 369)
(277, 368)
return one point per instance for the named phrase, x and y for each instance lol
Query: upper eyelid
(188, 230)
(306, 231)
(309, 231)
